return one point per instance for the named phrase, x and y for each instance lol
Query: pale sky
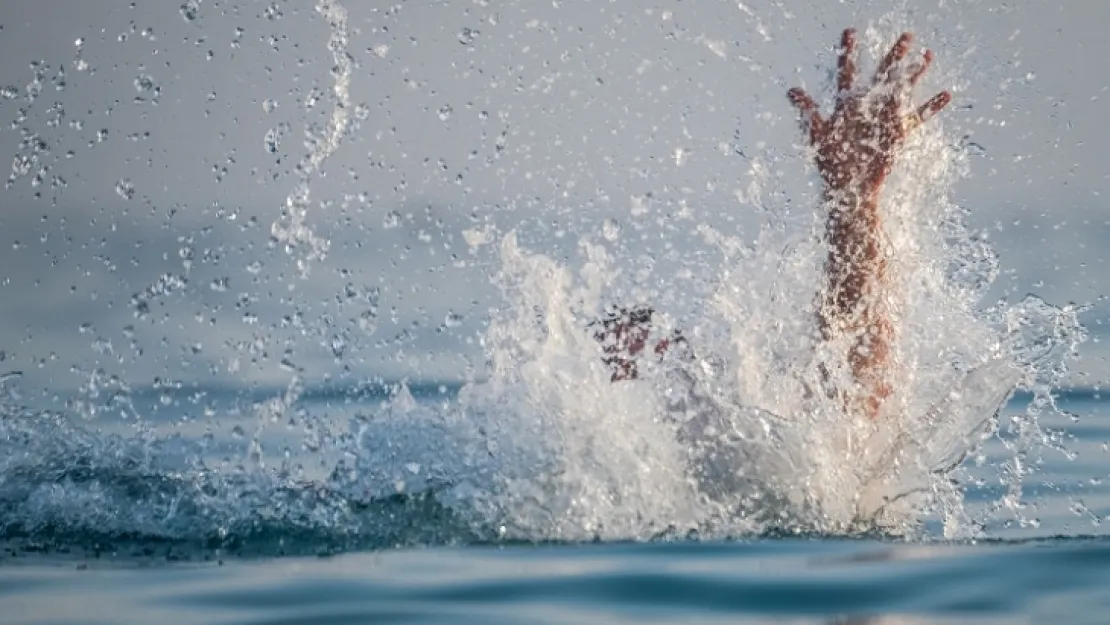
(549, 116)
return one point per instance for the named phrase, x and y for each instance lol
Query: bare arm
(855, 150)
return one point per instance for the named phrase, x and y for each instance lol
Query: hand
(856, 145)
(624, 335)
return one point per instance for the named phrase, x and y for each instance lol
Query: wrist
(853, 193)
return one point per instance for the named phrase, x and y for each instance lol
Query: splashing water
(739, 439)
(292, 228)
(735, 441)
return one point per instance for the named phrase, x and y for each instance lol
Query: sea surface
(104, 550)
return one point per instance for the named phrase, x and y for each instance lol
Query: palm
(857, 143)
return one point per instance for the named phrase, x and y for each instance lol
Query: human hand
(856, 145)
(624, 335)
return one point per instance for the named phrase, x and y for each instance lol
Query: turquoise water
(95, 535)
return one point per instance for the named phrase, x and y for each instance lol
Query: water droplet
(971, 147)
(269, 105)
(338, 345)
(144, 83)
(362, 112)
(368, 321)
(190, 10)
(22, 164)
(237, 432)
(468, 35)
(680, 156)
(611, 230)
(445, 112)
(312, 99)
(372, 295)
(125, 189)
(392, 220)
(80, 42)
(102, 346)
(274, 137)
(220, 284)
(453, 320)
(272, 141)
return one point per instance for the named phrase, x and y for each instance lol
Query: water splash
(292, 227)
(743, 434)
(733, 442)
(589, 459)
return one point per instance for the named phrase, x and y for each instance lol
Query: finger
(922, 67)
(934, 105)
(807, 109)
(846, 63)
(897, 53)
(926, 111)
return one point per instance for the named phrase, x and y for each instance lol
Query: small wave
(66, 491)
(63, 487)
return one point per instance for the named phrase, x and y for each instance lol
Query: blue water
(95, 533)
(758, 581)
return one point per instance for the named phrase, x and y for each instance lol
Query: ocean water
(100, 539)
(755, 581)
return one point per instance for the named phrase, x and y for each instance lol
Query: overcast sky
(143, 248)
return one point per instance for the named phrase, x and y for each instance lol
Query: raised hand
(856, 145)
(855, 151)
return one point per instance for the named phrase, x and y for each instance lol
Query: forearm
(856, 292)
(857, 259)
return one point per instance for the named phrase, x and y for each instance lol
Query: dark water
(98, 527)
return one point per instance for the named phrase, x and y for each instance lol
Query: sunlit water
(720, 487)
